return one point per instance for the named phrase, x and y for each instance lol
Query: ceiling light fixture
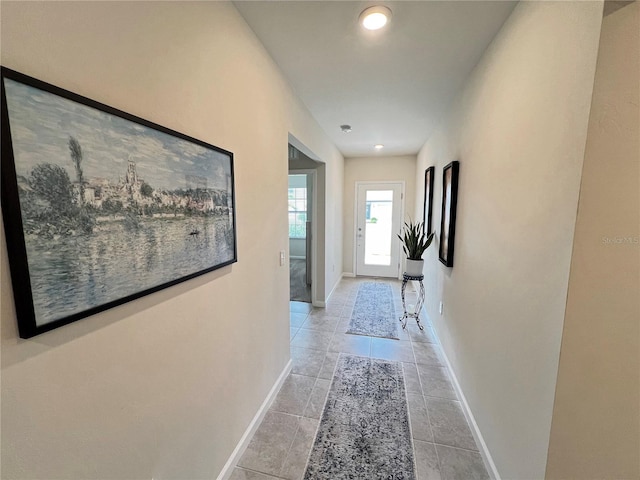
(345, 128)
(374, 18)
(379, 146)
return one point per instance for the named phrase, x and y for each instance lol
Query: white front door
(378, 219)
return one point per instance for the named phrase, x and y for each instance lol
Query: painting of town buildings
(111, 207)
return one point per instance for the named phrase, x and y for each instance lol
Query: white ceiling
(391, 86)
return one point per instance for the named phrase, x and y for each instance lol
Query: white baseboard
(332, 290)
(348, 275)
(475, 430)
(227, 470)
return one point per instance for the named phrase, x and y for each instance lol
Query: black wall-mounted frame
(450, 175)
(101, 207)
(429, 173)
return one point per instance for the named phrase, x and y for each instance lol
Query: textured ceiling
(392, 86)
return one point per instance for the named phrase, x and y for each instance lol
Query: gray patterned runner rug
(364, 431)
(374, 313)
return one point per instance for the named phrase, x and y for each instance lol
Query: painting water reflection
(72, 274)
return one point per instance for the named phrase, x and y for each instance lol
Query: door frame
(355, 219)
(314, 230)
(319, 292)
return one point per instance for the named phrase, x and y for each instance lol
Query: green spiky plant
(414, 240)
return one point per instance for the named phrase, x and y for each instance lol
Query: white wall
(162, 387)
(371, 169)
(333, 179)
(518, 129)
(328, 235)
(595, 431)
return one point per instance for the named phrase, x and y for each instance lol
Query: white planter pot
(414, 267)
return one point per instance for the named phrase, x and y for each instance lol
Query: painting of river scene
(111, 207)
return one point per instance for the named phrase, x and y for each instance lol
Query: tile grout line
(426, 409)
(420, 383)
(298, 426)
(483, 450)
(260, 473)
(286, 457)
(456, 448)
(317, 378)
(413, 444)
(315, 435)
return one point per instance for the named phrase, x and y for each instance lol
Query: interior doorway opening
(307, 179)
(300, 197)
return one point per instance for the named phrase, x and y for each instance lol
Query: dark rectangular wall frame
(13, 221)
(428, 200)
(446, 257)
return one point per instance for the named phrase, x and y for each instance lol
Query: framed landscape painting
(448, 217)
(101, 207)
(428, 199)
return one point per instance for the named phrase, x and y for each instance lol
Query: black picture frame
(101, 207)
(450, 174)
(428, 199)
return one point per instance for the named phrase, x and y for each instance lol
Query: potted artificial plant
(414, 243)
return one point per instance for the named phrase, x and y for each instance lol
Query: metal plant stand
(416, 313)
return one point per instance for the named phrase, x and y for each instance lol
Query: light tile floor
(443, 444)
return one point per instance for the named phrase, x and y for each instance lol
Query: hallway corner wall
(518, 129)
(164, 386)
(371, 169)
(595, 432)
(330, 173)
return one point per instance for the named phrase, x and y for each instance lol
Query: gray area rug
(364, 431)
(299, 289)
(374, 314)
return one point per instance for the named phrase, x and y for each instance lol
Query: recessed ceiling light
(345, 128)
(379, 146)
(374, 18)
